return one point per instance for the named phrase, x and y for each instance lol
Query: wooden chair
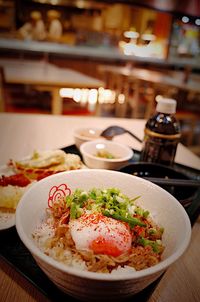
(2, 90)
(132, 98)
(189, 121)
(145, 105)
(10, 103)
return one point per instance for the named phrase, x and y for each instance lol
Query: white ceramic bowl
(82, 135)
(90, 286)
(122, 154)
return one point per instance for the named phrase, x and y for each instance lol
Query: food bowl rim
(150, 164)
(78, 135)
(160, 267)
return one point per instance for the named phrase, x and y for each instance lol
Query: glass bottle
(162, 134)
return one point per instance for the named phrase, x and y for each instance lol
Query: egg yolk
(102, 245)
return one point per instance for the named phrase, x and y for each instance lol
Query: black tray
(13, 251)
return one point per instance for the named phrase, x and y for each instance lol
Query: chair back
(2, 90)
(132, 98)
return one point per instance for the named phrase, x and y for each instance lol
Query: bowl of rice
(102, 235)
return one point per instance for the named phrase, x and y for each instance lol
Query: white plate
(7, 220)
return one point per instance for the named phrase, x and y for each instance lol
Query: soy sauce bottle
(162, 134)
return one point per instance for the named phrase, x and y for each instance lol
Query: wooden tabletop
(20, 71)
(46, 76)
(20, 134)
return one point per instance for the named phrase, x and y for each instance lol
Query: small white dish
(102, 154)
(7, 217)
(82, 135)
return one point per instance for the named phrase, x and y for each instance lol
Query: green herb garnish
(132, 221)
(110, 202)
(156, 245)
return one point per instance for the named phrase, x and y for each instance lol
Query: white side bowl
(122, 154)
(90, 286)
(82, 135)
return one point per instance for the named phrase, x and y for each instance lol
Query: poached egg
(101, 234)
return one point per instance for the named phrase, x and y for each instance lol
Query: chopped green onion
(73, 211)
(152, 231)
(154, 244)
(132, 221)
(134, 199)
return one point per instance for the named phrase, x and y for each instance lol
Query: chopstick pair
(174, 182)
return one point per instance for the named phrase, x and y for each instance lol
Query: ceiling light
(197, 21)
(185, 19)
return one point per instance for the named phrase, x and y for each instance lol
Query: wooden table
(46, 76)
(20, 134)
(172, 78)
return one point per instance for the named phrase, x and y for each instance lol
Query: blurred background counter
(15, 47)
(148, 32)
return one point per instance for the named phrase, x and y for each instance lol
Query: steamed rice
(11, 195)
(63, 250)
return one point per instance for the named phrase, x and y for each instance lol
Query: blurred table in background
(45, 76)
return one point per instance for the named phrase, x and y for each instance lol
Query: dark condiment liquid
(162, 134)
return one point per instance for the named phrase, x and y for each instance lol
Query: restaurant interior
(72, 72)
(131, 52)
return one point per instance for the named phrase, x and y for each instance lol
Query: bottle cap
(166, 105)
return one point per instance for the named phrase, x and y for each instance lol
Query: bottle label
(159, 148)
(161, 135)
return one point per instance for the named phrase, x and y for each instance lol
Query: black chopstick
(174, 182)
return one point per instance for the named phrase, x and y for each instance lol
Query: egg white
(84, 232)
